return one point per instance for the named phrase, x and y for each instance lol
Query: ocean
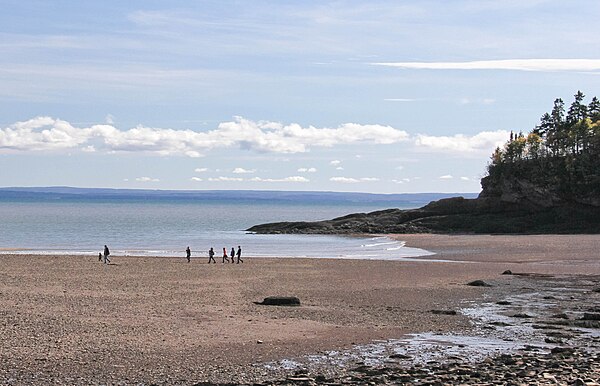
(164, 225)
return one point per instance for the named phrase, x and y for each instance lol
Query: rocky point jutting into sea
(547, 181)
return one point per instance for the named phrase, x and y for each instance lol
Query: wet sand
(72, 319)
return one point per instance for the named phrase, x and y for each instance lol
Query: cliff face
(506, 205)
(524, 191)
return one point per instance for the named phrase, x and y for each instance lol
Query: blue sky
(378, 96)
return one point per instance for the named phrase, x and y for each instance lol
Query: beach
(145, 320)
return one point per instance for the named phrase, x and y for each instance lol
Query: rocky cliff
(509, 212)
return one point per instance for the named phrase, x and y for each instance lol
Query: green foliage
(561, 153)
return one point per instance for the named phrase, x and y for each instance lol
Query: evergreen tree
(561, 153)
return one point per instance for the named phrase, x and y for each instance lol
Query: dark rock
(500, 324)
(280, 301)
(478, 283)
(562, 350)
(504, 303)
(522, 315)
(400, 356)
(443, 312)
(562, 315)
(507, 272)
(590, 316)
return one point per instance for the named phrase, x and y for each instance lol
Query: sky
(378, 96)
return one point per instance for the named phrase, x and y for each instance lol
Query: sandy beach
(74, 320)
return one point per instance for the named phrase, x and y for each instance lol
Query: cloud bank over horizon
(47, 134)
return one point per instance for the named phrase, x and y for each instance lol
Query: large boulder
(280, 301)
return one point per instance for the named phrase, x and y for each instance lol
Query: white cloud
(201, 170)
(339, 168)
(307, 170)
(483, 142)
(47, 134)
(335, 162)
(147, 179)
(243, 171)
(110, 119)
(88, 149)
(286, 179)
(196, 179)
(227, 179)
(369, 179)
(344, 180)
(507, 64)
(446, 177)
(465, 178)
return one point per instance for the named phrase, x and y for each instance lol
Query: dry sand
(72, 319)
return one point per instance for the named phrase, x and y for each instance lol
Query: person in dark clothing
(100, 256)
(239, 255)
(232, 254)
(225, 255)
(211, 255)
(106, 253)
(188, 254)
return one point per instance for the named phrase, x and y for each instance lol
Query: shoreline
(103, 324)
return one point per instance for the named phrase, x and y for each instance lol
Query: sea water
(165, 227)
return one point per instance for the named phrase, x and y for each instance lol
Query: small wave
(378, 244)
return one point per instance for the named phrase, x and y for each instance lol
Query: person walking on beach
(188, 253)
(232, 254)
(211, 255)
(225, 255)
(100, 256)
(106, 253)
(239, 255)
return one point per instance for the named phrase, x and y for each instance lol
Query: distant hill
(79, 194)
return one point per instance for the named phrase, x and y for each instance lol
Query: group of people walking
(188, 254)
(233, 255)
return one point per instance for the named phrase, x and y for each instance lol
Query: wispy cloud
(243, 171)
(307, 170)
(147, 179)
(579, 65)
(47, 134)
(481, 142)
(399, 100)
(286, 179)
(201, 170)
(196, 179)
(225, 179)
(446, 177)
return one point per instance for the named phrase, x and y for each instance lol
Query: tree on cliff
(561, 154)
